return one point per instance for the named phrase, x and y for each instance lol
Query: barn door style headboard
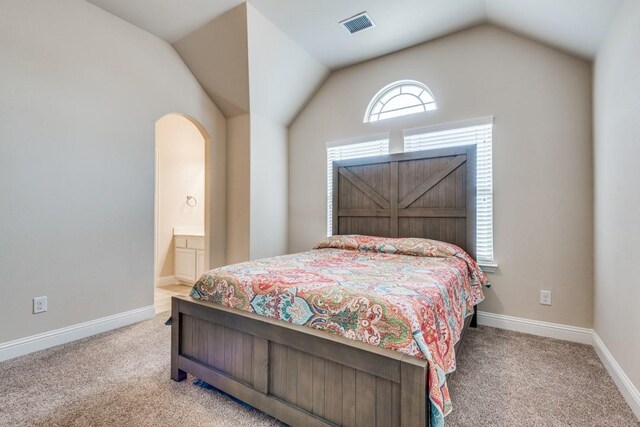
(428, 194)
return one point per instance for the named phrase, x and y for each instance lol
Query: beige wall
(617, 190)
(293, 75)
(281, 77)
(217, 55)
(541, 100)
(257, 188)
(80, 93)
(180, 173)
(238, 188)
(269, 225)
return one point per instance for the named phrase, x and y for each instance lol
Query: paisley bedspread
(408, 295)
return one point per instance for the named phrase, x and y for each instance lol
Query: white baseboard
(27, 345)
(166, 281)
(536, 327)
(22, 346)
(626, 387)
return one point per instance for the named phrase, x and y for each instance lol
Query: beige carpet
(121, 378)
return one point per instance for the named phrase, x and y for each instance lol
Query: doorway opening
(181, 249)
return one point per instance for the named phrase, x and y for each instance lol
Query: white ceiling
(399, 24)
(168, 19)
(576, 26)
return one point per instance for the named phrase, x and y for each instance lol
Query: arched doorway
(181, 217)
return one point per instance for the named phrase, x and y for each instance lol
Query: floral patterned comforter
(408, 295)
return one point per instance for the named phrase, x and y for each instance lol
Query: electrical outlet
(545, 297)
(39, 305)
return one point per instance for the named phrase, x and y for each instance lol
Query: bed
(325, 337)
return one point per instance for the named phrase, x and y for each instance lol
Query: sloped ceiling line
(233, 55)
(294, 44)
(575, 26)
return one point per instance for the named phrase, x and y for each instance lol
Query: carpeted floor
(121, 378)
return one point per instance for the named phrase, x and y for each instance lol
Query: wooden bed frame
(305, 377)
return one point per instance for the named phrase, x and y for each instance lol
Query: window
(400, 99)
(478, 132)
(354, 150)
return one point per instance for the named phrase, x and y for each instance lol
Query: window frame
(385, 91)
(484, 158)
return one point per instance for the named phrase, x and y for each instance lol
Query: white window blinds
(376, 147)
(480, 134)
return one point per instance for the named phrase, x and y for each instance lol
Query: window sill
(488, 267)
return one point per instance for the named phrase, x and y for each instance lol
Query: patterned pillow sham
(401, 246)
(348, 242)
(405, 246)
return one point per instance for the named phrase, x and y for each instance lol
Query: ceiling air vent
(357, 23)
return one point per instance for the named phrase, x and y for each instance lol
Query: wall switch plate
(545, 297)
(39, 305)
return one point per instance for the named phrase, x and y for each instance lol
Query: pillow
(401, 246)
(405, 246)
(338, 242)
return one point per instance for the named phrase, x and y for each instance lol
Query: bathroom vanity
(189, 256)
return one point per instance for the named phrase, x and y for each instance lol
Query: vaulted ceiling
(168, 19)
(294, 44)
(575, 26)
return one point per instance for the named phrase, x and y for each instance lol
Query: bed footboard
(296, 374)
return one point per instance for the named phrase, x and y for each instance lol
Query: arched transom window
(400, 99)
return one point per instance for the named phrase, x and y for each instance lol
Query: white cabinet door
(185, 264)
(199, 264)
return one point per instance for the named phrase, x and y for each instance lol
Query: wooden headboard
(429, 194)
